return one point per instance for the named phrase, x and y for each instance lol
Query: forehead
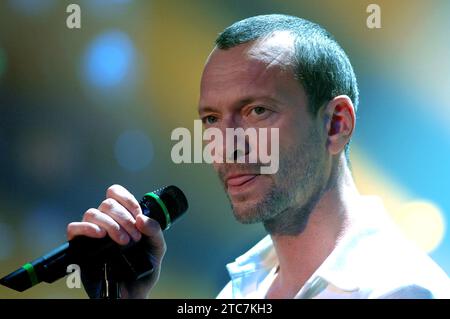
(260, 67)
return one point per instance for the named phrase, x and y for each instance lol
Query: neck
(299, 255)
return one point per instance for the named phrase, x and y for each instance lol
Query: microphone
(165, 205)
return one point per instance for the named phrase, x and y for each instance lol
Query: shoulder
(384, 264)
(400, 270)
(412, 291)
(226, 292)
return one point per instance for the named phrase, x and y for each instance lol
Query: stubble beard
(295, 190)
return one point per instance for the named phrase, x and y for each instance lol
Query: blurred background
(85, 108)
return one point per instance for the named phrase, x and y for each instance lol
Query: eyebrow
(204, 109)
(238, 104)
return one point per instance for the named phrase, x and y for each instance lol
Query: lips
(239, 180)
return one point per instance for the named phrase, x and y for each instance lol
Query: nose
(236, 145)
(241, 149)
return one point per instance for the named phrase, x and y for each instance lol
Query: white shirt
(371, 261)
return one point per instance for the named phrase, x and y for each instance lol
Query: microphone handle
(83, 251)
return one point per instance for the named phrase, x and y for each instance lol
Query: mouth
(239, 182)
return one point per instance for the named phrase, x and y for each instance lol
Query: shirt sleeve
(226, 292)
(408, 292)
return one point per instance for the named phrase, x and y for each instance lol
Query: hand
(120, 217)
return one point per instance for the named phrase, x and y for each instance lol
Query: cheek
(299, 128)
(300, 148)
(291, 137)
(277, 136)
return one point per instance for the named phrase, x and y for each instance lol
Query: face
(253, 86)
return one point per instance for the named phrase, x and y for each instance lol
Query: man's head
(278, 71)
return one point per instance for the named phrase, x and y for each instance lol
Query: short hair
(320, 64)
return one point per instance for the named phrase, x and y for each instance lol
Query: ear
(339, 123)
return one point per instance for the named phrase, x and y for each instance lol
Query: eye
(258, 110)
(210, 119)
(258, 113)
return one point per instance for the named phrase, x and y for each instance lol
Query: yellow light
(422, 222)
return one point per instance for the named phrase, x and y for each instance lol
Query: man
(325, 239)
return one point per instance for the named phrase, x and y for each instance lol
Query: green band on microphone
(163, 207)
(31, 273)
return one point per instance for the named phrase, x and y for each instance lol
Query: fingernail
(124, 238)
(136, 235)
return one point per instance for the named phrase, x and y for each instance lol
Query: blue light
(109, 59)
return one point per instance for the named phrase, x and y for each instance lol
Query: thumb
(152, 230)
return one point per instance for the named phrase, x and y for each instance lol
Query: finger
(84, 229)
(114, 230)
(151, 228)
(125, 198)
(121, 215)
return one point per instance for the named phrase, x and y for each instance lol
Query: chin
(252, 204)
(248, 212)
(246, 217)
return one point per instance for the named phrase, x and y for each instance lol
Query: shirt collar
(251, 268)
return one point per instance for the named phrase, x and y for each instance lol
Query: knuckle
(90, 213)
(134, 205)
(127, 221)
(112, 190)
(113, 231)
(85, 228)
(108, 204)
(115, 227)
(69, 228)
(121, 215)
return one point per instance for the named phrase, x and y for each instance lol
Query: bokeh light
(133, 150)
(109, 59)
(422, 222)
(73, 113)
